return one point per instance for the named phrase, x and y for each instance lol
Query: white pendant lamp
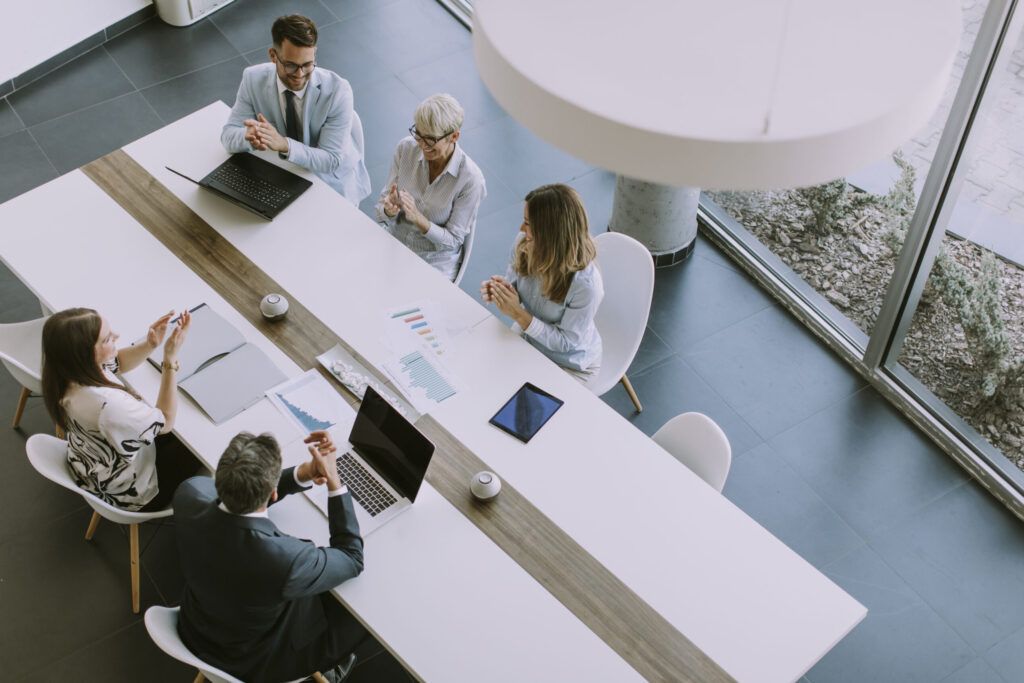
(724, 94)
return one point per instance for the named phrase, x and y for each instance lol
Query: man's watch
(175, 366)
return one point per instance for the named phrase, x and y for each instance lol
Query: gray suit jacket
(332, 134)
(252, 601)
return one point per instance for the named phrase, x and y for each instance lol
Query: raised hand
(177, 338)
(392, 204)
(157, 330)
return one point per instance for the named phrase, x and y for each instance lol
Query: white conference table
(445, 599)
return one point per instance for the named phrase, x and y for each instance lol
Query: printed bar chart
(416, 321)
(418, 375)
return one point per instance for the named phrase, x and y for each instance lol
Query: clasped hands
(399, 200)
(501, 293)
(261, 135)
(321, 468)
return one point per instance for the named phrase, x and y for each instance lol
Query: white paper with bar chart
(422, 378)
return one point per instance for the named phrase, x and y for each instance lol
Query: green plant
(826, 204)
(898, 205)
(975, 299)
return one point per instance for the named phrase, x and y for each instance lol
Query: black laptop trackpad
(526, 412)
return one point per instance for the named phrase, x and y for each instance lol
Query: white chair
(21, 352)
(49, 456)
(699, 443)
(162, 624)
(467, 249)
(627, 270)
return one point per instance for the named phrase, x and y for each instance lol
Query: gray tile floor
(820, 460)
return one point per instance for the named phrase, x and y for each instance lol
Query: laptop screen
(390, 444)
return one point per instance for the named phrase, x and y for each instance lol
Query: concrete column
(662, 218)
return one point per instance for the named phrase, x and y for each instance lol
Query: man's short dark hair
(248, 472)
(299, 30)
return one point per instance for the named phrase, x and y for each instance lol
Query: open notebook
(223, 373)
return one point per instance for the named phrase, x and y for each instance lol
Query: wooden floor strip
(631, 627)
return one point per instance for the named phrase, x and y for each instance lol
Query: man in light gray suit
(301, 112)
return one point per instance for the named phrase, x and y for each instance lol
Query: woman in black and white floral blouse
(119, 448)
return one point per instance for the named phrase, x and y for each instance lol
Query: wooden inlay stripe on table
(609, 608)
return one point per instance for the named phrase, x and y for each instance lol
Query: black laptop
(253, 184)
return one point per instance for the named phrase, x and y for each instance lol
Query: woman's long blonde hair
(561, 244)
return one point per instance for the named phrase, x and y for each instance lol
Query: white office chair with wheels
(21, 352)
(699, 443)
(49, 456)
(467, 249)
(162, 624)
(627, 270)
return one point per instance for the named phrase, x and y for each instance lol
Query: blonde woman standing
(552, 288)
(434, 189)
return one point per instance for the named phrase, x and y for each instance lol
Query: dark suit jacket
(252, 603)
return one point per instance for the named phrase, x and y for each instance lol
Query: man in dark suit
(256, 601)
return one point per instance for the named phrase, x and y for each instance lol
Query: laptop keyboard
(365, 489)
(248, 186)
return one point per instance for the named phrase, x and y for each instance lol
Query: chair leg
(632, 394)
(133, 542)
(93, 523)
(319, 677)
(199, 677)
(22, 400)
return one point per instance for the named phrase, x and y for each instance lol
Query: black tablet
(525, 413)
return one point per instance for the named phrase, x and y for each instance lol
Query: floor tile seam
(924, 601)
(83, 109)
(57, 66)
(878, 532)
(984, 657)
(120, 68)
(481, 124)
(824, 406)
(16, 115)
(164, 601)
(194, 71)
(43, 151)
(154, 17)
(731, 266)
(863, 540)
(743, 274)
(37, 522)
(242, 53)
(696, 371)
(728, 327)
(649, 330)
(432, 62)
(216, 26)
(329, 11)
(153, 109)
(30, 675)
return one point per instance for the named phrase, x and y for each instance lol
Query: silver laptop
(385, 466)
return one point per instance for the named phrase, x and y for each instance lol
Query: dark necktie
(291, 120)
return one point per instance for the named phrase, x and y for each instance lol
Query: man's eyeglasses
(291, 68)
(427, 140)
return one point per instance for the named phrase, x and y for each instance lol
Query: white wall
(55, 25)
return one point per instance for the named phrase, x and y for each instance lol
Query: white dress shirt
(298, 100)
(450, 203)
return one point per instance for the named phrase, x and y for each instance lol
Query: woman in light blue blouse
(552, 288)
(434, 189)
